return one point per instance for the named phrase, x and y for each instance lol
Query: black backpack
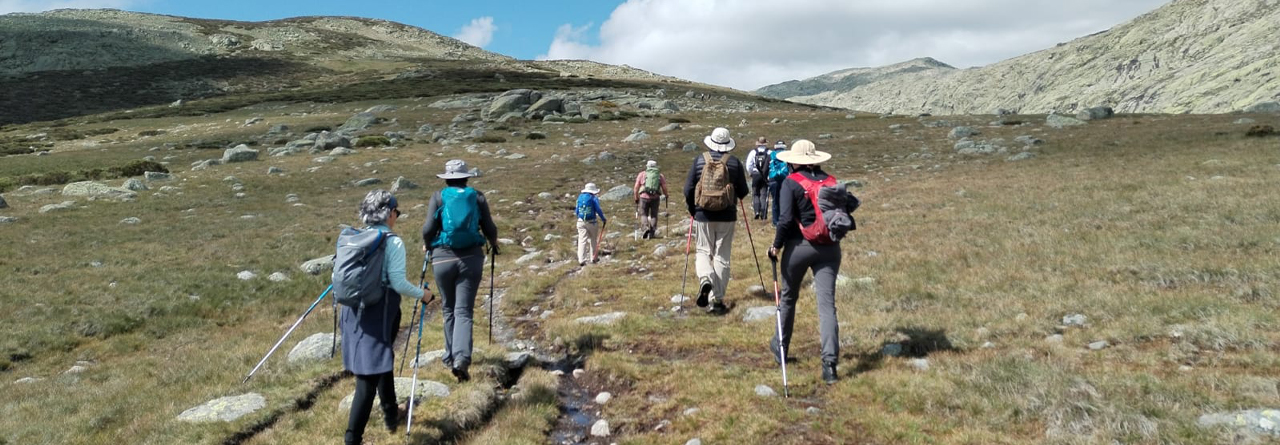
(357, 268)
(762, 161)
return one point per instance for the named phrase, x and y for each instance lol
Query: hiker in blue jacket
(457, 226)
(368, 336)
(587, 210)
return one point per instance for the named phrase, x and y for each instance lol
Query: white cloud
(8, 6)
(479, 32)
(747, 44)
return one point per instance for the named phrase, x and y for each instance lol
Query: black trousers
(384, 385)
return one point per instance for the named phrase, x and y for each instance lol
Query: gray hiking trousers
(799, 257)
(457, 280)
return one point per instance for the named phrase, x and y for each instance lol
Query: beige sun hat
(719, 140)
(803, 152)
(591, 188)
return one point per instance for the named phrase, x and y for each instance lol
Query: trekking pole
(413, 386)
(688, 242)
(668, 230)
(493, 261)
(754, 256)
(422, 282)
(333, 343)
(782, 348)
(286, 334)
(599, 241)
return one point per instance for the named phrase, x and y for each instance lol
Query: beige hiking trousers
(715, 244)
(588, 241)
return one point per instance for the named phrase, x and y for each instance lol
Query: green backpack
(652, 182)
(459, 217)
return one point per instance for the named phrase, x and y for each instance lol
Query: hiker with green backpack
(816, 216)
(717, 181)
(650, 188)
(369, 278)
(457, 228)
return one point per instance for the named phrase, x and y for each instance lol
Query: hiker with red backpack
(457, 227)
(370, 311)
(717, 181)
(650, 187)
(816, 215)
(758, 168)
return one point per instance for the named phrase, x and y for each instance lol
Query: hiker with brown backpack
(816, 215)
(717, 181)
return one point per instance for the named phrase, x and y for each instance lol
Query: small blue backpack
(459, 216)
(585, 210)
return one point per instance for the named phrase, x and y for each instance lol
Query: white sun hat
(719, 140)
(591, 188)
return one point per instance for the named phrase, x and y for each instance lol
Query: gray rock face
(690, 147)
(318, 265)
(669, 127)
(427, 358)
(402, 184)
(92, 189)
(313, 348)
(600, 428)
(8, 219)
(326, 141)
(759, 313)
(241, 153)
(130, 221)
(617, 193)
(1263, 107)
(636, 137)
(1095, 113)
(765, 391)
(1060, 121)
(133, 184)
(962, 132)
(225, 409)
(1265, 421)
(368, 182)
(547, 105)
(358, 122)
(1021, 156)
(65, 205)
(425, 389)
(1075, 320)
(605, 319)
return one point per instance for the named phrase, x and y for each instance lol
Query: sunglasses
(397, 212)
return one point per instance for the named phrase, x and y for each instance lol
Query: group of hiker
(810, 213)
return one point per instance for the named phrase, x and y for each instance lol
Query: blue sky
(744, 44)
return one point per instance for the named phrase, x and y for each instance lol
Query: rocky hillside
(1189, 56)
(848, 79)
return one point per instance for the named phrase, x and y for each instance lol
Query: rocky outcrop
(1197, 56)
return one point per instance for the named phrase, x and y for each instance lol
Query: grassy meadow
(1163, 231)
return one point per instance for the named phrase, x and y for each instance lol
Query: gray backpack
(357, 268)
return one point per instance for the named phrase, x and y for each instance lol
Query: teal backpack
(585, 210)
(778, 170)
(459, 216)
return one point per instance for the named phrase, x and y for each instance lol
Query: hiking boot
(718, 308)
(829, 374)
(582, 264)
(394, 420)
(461, 374)
(704, 292)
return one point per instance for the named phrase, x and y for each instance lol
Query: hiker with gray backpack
(650, 188)
(717, 181)
(758, 168)
(457, 227)
(368, 280)
(816, 216)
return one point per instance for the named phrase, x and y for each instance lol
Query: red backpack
(832, 208)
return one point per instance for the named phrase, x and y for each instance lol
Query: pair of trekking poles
(777, 291)
(418, 348)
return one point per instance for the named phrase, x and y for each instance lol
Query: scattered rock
(578, 373)
(825, 136)
(1021, 156)
(1060, 121)
(318, 265)
(516, 360)
(97, 190)
(528, 257)
(77, 369)
(603, 398)
(759, 313)
(246, 275)
(402, 184)
(891, 350)
(278, 277)
(962, 132)
(131, 221)
(326, 141)
(812, 411)
(314, 348)
(358, 122)
(427, 358)
(1095, 113)
(617, 193)
(690, 147)
(1029, 140)
(425, 389)
(919, 364)
(765, 391)
(757, 290)
(1263, 107)
(25, 380)
(661, 251)
(1054, 339)
(1075, 320)
(669, 127)
(637, 137)
(225, 409)
(8, 219)
(1099, 345)
(133, 184)
(1265, 421)
(1244, 121)
(605, 319)
(241, 153)
(65, 205)
(342, 151)
(368, 182)
(600, 428)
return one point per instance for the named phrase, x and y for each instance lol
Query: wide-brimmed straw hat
(455, 169)
(719, 140)
(591, 188)
(803, 152)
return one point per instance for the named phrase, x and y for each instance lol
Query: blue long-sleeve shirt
(393, 266)
(595, 206)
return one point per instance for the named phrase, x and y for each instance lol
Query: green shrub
(490, 139)
(148, 133)
(1260, 131)
(15, 150)
(138, 168)
(373, 141)
(535, 136)
(677, 120)
(577, 120)
(607, 104)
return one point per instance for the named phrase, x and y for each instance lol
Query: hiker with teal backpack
(778, 171)
(369, 278)
(816, 216)
(457, 228)
(650, 187)
(589, 216)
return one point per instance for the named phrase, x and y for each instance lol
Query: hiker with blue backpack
(716, 182)
(458, 224)
(778, 171)
(369, 279)
(590, 218)
(816, 215)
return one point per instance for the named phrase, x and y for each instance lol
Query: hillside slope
(851, 78)
(1197, 56)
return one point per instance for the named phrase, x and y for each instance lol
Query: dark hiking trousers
(458, 280)
(798, 258)
(775, 186)
(384, 385)
(760, 195)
